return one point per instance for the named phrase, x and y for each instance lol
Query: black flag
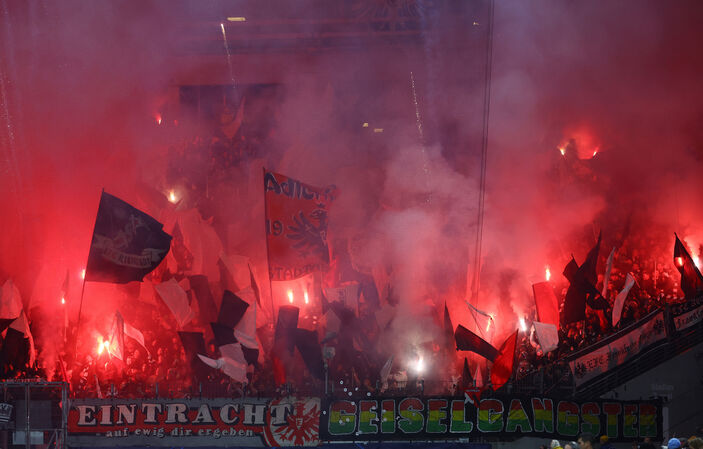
(200, 287)
(194, 344)
(466, 380)
(224, 335)
(691, 279)
(15, 349)
(570, 269)
(582, 289)
(284, 336)
(127, 243)
(254, 286)
(232, 309)
(589, 265)
(307, 344)
(468, 341)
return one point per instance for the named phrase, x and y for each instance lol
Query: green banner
(502, 418)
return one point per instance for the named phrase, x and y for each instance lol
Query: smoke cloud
(616, 86)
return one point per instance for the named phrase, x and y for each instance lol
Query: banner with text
(189, 423)
(688, 319)
(618, 350)
(296, 226)
(502, 418)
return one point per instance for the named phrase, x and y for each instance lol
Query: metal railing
(39, 417)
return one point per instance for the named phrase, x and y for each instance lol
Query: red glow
(83, 273)
(679, 261)
(158, 119)
(63, 300)
(562, 150)
(290, 296)
(307, 300)
(547, 273)
(582, 140)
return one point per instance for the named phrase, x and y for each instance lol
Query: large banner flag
(296, 226)
(127, 243)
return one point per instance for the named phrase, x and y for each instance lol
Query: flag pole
(268, 262)
(80, 305)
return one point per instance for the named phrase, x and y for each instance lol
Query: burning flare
(562, 150)
(419, 365)
(103, 345)
(523, 325)
(172, 196)
(307, 301)
(158, 119)
(547, 273)
(696, 261)
(679, 261)
(290, 296)
(83, 273)
(63, 300)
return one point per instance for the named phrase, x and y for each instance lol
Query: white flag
(620, 299)
(547, 336)
(347, 294)
(97, 387)
(245, 331)
(212, 363)
(147, 293)
(134, 333)
(478, 378)
(235, 365)
(608, 268)
(385, 372)
(238, 270)
(483, 320)
(10, 301)
(232, 362)
(202, 242)
(116, 346)
(383, 316)
(176, 299)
